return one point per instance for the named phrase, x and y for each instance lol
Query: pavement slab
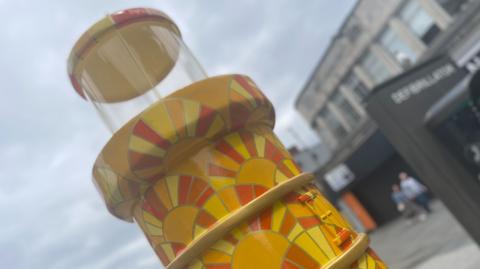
(438, 242)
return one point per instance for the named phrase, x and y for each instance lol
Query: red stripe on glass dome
(132, 15)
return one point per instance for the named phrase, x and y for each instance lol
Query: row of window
(337, 129)
(422, 25)
(419, 22)
(350, 115)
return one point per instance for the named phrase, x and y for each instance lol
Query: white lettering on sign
(421, 84)
(473, 65)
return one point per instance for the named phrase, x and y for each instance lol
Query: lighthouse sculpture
(193, 159)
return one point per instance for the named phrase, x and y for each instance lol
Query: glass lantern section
(128, 61)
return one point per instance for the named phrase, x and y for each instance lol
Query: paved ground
(436, 243)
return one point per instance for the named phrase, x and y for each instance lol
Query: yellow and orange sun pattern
(202, 153)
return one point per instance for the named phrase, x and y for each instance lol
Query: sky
(52, 216)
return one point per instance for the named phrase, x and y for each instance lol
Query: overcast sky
(51, 214)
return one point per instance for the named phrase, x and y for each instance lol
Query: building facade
(312, 158)
(379, 40)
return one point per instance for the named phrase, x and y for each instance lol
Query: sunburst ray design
(244, 99)
(245, 157)
(306, 243)
(119, 193)
(298, 238)
(177, 210)
(238, 165)
(164, 126)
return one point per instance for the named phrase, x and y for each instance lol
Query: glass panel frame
(348, 111)
(334, 125)
(375, 68)
(393, 43)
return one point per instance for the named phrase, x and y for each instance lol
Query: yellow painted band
(229, 222)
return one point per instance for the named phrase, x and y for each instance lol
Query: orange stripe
(144, 131)
(214, 170)
(205, 195)
(177, 248)
(244, 83)
(309, 222)
(288, 223)
(266, 219)
(205, 120)
(297, 255)
(259, 190)
(284, 169)
(245, 194)
(272, 153)
(249, 142)
(183, 189)
(205, 220)
(226, 149)
(154, 206)
(198, 187)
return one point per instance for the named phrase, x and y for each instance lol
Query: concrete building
(312, 158)
(379, 40)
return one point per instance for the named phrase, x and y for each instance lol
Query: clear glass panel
(375, 68)
(353, 83)
(417, 19)
(396, 46)
(333, 124)
(348, 111)
(130, 68)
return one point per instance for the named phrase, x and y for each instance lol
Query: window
(375, 68)
(452, 7)
(397, 48)
(350, 114)
(419, 21)
(353, 83)
(333, 124)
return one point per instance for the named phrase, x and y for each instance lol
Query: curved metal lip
(114, 21)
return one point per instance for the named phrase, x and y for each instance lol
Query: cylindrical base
(205, 154)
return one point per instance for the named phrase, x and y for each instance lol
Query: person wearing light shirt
(414, 191)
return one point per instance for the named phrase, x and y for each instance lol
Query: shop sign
(339, 177)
